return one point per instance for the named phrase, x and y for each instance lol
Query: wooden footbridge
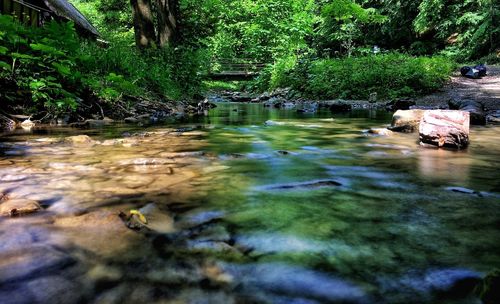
(235, 69)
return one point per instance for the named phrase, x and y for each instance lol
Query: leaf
(5, 65)
(23, 56)
(62, 69)
(141, 217)
(3, 50)
(46, 49)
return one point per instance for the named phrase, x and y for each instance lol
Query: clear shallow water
(305, 209)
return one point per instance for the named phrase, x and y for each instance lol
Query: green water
(392, 212)
(311, 194)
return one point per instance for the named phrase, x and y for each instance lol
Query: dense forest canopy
(164, 49)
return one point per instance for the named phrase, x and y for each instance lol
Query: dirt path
(485, 91)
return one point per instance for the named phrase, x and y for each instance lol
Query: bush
(40, 64)
(389, 75)
(50, 69)
(171, 73)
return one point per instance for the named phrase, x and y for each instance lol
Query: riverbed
(247, 205)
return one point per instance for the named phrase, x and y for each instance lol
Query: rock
(19, 264)
(294, 282)
(17, 207)
(103, 233)
(445, 128)
(463, 190)
(400, 104)
(27, 124)
(493, 117)
(406, 120)
(452, 282)
(373, 97)
(102, 274)
(131, 120)
(273, 123)
(200, 218)
(55, 289)
(435, 284)
(340, 107)
(304, 185)
(381, 131)
(98, 123)
(16, 294)
(476, 110)
(489, 289)
(79, 140)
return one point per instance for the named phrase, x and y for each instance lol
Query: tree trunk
(143, 23)
(167, 21)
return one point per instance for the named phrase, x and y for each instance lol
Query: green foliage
(341, 26)
(390, 75)
(470, 28)
(41, 62)
(123, 70)
(261, 30)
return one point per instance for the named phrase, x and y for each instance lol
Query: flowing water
(248, 205)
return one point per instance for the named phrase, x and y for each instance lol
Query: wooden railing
(25, 12)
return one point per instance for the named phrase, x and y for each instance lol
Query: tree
(168, 12)
(155, 23)
(469, 28)
(341, 25)
(144, 28)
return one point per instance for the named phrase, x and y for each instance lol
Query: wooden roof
(67, 10)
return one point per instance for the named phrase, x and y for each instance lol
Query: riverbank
(484, 91)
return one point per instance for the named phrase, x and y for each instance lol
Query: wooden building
(37, 12)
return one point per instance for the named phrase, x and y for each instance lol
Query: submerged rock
(304, 185)
(294, 282)
(406, 120)
(79, 140)
(433, 284)
(23, 263)
(381, 131)
(18, 207)
(464, 190)
(55, 289)
(493, 117)
(445, 128)
(489, 289)
(452, 282)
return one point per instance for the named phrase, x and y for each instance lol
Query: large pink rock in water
(445, 128)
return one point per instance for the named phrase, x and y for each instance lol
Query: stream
(247, 205)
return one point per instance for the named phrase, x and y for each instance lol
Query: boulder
(406, 120)
(476, 110)
(445, 128)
